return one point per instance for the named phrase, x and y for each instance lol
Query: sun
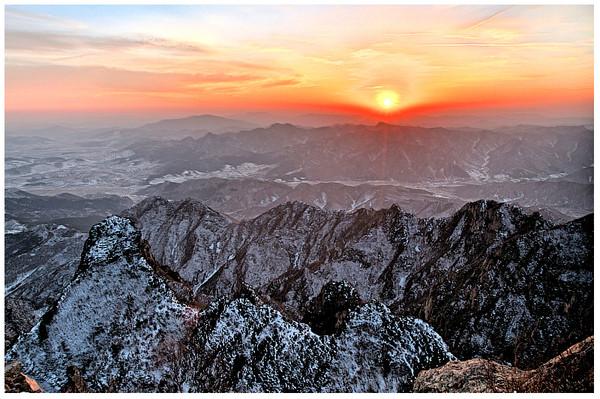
(387, 100)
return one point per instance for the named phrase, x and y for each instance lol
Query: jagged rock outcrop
(15, 381)
(249, 347)
(116, 321)
(326, 313)
(181, 234)
(39, 263)
(120, 327)
(571, 371)
(493, 280)
(288, 253)
(522, 299)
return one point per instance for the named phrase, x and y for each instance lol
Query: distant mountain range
(74, 125)
(67, 209)
(382, 152)
(427, 171)
(347, 165)
(194, 126)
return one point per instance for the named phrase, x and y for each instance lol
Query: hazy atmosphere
(299, 198)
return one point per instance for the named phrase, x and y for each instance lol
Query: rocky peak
(499, 297)
(484, 216)
(291, 214)
(326, 313)
(244, 346)
(117, 311)
(187, 207)
(112, 239)
(182, 234)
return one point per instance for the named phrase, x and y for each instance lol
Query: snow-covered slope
(116, 320)
(39, 263)
(245, 346)
(123, 326)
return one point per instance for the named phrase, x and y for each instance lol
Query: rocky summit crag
(175, 297)
(119, 326)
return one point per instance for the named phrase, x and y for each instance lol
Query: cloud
(98, 80)
(22, 19)
(280, 82)
(200, 80)
(510, 44)
(231, 56)
(482, 21)
(63, 42)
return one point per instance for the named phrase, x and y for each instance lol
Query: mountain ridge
(130, 315)
(290, 251)
(478, 279)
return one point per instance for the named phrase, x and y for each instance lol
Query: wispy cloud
(17, 18)
(64, 42)
(482, 21)
(280, 82)
(510, 44)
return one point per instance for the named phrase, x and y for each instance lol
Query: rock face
(122, 326)
(494, 281)
(474, 375)
(39, 264)
(571, 371)
(181, 234)
(15, 381)
(243, 346)
(116, 321)
(506, 287)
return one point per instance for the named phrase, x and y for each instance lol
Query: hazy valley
(428, 171)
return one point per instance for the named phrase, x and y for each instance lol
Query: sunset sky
(380, 60)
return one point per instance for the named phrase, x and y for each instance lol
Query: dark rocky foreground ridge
(183, 299)
(121, 325)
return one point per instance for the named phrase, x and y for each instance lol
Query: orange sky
(319, 58)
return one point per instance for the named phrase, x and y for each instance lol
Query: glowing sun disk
(387, 100)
